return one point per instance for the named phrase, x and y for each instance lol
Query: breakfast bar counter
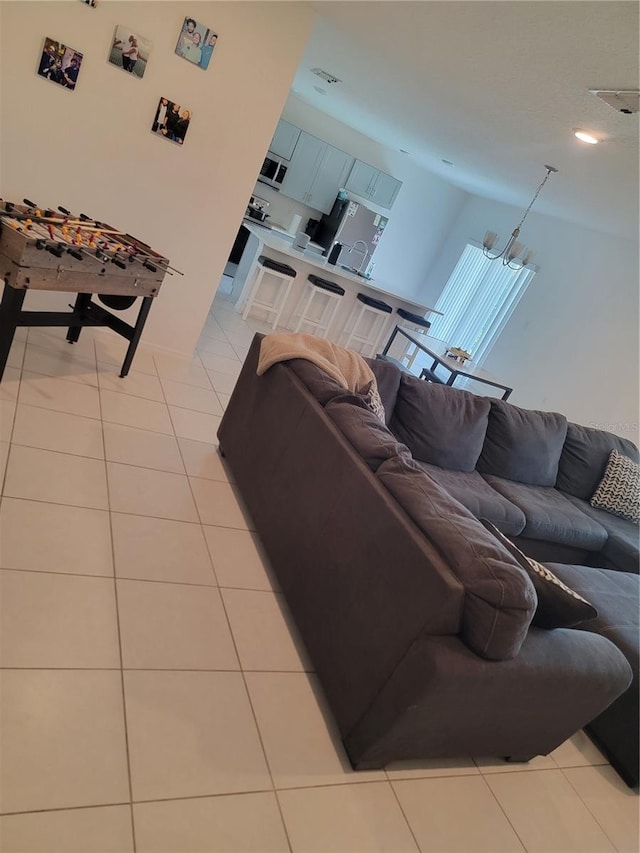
(263, 241)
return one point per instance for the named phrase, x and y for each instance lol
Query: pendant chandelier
(514, 254)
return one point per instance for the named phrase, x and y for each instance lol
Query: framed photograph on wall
(92, 3)
(130, 51)
(171, 121)
(196, 43)
(60, 63)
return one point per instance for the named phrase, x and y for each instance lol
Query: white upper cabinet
(330, 178)
(284, 140)
(316, 172)
(303, 167)
(372, 184)
(362, 179)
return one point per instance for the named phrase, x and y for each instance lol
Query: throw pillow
(559, 606)
(372, 398)
(619, 489)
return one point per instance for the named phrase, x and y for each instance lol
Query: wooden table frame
(84, 313)
(455, 368)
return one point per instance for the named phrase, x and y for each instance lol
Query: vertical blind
(477, 301)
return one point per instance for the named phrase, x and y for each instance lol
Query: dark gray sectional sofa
(417, 620)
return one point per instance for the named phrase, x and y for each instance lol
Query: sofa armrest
(444, 701)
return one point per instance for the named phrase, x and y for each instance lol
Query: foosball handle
(29, 203)
(119, 263)
(57, 249)
(64, 210)
(75, 254)
(149, 266)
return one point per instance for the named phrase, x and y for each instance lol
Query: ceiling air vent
(621, 100)
(324, 75)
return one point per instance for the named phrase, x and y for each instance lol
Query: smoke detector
(324, 75)
(621, 100)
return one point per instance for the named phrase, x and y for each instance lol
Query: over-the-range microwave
(273, 171)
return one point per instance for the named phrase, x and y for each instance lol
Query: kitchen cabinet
(285, 140)
(372, 184)
(316, 172)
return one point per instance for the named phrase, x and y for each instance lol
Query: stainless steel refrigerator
(356, 228)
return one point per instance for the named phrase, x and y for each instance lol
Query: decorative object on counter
(458, 354)
(60, 63)
(514, 254)
(130, 51)
(257, 209)
(171, 121)
(301, 241)
(334, 254)
(196, 43)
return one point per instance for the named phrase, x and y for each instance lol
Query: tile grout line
(584, 802)
(397, 799)
(506, 816)
(13, 421)
(122, 685)
(255, 721)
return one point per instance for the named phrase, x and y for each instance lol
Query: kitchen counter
(280, 244)
(263, 241)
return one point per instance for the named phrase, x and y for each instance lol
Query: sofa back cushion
(500, 599)
(362, 428)
(585, 456)
(439, 424)
(388, 379)
(523, 445)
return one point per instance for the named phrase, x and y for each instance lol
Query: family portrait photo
(171, 121)
(196, 43)
(60, 63)
(129, 51)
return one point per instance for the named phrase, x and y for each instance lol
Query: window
(477, 301)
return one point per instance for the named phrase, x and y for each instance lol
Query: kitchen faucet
(366, 252)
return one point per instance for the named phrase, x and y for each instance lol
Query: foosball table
(43, 249)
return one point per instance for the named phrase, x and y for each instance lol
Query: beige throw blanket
(345, 366)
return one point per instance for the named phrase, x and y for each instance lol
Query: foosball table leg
(82, 300)
(10, 309)
(137, 332)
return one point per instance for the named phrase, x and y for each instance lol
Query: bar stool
(285, 275)
(319, 287)
(417, 323)
(377, 311)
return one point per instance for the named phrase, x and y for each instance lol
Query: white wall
(92, 150)
(421, 217)
(572, 343)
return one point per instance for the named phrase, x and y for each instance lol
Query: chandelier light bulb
(510, 254)
(586, 137)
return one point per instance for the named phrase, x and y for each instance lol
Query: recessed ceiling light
(448, 163)
(585, 137)
(320, 90)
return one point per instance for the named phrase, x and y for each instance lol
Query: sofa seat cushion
(622, 548)
(585, 456)
(440, 425)
(550, 516)
(522, 445)
(499, 598)
(478, 497)
(362, 428)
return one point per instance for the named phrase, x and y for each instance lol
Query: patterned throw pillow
(373, 400)
(619, 489)
(559, 606)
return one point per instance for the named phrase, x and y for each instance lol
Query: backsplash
(281, 209)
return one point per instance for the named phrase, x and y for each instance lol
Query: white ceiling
(495, 87)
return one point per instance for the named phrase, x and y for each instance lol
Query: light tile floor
(155, 694)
